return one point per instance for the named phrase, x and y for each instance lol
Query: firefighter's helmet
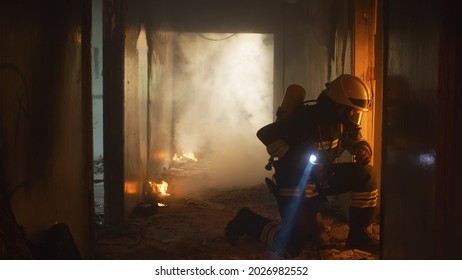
(349, 90)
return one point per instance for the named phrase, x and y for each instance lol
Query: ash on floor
(191, 227)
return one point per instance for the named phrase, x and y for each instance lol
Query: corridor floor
(191, 227)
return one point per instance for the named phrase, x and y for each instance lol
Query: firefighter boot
(359, 236)
(245, 222)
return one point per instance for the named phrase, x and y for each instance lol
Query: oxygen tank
(293, 97)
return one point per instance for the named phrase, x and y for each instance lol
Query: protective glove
(277, 149)
(363, 153)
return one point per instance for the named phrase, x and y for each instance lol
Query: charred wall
(45, 125)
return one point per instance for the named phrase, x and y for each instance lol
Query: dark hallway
(154, 66)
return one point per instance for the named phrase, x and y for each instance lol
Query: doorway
(199, 96)
(166, 114)
(97, 103)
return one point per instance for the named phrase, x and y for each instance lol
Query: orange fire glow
(160, 188)
(130, 187)
(185, 156)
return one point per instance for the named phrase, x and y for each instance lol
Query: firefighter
(304, 145)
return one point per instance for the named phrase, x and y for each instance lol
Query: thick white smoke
(223, 93)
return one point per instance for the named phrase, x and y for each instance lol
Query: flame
(185, 156)
(160, 188)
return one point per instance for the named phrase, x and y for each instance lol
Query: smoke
(223, 93)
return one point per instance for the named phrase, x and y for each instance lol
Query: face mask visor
(356, 117)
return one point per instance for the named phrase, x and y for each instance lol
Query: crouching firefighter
(303, 143)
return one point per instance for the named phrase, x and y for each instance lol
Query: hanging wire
(14, 68)
(213, 39)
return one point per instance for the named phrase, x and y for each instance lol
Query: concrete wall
(45, 109)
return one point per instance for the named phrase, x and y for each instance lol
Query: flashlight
(313, 159)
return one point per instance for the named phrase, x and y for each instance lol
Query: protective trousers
(298, 211)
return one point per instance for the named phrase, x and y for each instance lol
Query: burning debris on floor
(182, 168)
(186, 167)
(190, 224)
(193, 228)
